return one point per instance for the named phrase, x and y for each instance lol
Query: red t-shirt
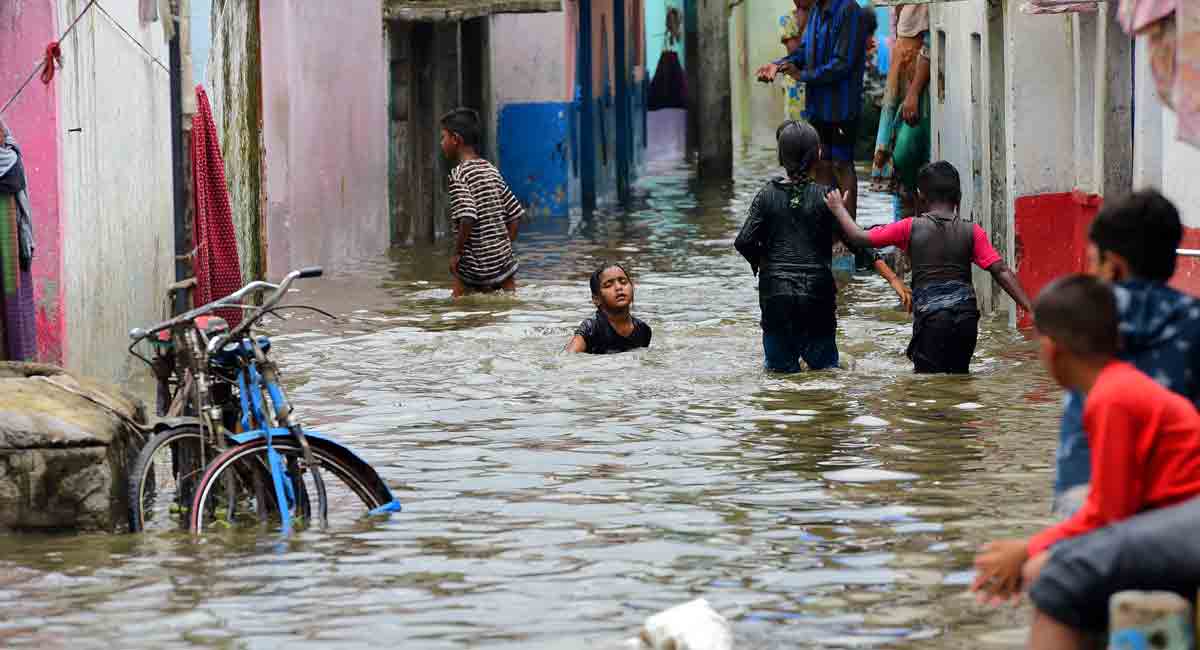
(1145, 443)
(899, 233)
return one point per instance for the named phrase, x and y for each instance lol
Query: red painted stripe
(1051, 234)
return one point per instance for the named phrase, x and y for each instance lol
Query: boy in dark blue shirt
(1132, 244)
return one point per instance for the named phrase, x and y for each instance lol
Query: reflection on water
(556, 501)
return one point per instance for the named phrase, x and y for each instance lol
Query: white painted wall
(1180, 172)
(117, 215)
(527, 57)
(758, 108)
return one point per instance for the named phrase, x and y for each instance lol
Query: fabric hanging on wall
(1172, 30)
(1058, 7)
(668, 88)
(148, 11)
(217, 269)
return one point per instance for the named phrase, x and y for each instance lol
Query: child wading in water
(942, 245)
(613, 328)
(789, 236)
(483, 210)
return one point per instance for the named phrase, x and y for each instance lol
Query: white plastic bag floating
(693, 625)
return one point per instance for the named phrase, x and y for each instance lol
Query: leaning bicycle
(270, 470)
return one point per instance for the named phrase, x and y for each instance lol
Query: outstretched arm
(852, 234)
(1008, 281)
(901, 289)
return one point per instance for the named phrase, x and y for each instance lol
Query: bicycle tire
(249, 459)
(179, 444)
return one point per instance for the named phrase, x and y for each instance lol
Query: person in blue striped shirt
(831, 61)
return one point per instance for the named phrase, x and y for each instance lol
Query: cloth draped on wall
(901, 148)
(18, 328)
(1172, 28)
(1057, 7)
(217, 269)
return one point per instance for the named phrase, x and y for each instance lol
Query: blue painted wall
(882, 33)
(535, 155)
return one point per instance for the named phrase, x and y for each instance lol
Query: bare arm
(460, 244)
(513, 227)
(1008, 281)
(852, 234)
(910, 111)
(901, 289)
(576, 344)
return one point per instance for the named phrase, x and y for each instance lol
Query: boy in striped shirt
(483, 210)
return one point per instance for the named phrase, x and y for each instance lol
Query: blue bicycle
(273, 469)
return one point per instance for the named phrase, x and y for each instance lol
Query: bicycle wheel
(237, 487)
(164, 477)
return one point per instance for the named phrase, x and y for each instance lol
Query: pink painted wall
(26, 26)
(325, 131)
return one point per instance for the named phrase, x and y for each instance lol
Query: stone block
(66, 444)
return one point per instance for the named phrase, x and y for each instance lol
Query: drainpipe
(179, 185)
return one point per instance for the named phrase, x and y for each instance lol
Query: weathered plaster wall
(758, 108)
(967, 93)
(25, 28)
(234, 85)
(532, 111)
(325, 131)
(117, 224)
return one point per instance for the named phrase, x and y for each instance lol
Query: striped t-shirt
(478, 193)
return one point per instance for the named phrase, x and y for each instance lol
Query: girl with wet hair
(613, 327)
(788, 236)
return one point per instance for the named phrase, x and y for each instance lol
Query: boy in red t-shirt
(1145, 439)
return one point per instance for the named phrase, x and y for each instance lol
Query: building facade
(97, 148)
(1046, 115)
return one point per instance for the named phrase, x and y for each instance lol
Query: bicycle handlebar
(280, 289)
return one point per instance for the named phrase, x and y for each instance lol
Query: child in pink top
(942, 246)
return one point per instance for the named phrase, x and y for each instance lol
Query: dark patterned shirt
(832, 60)
(601, 338)
(479, 194)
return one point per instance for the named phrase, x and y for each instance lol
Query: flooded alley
(555, 501)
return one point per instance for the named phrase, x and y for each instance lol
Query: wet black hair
(594, 281)
(870, 22)
(799, 146)
(1144, 228)
(939, 183)
(1080, 313)
(465, 123)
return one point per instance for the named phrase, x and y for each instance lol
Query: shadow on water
(555, 501)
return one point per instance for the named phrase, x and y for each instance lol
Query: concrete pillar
(691, 44)
(1114, 123)
(1084, 35)
(1147, 123)
(713, 101)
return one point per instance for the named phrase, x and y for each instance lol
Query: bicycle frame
(265, 411)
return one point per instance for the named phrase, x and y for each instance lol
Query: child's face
(1107, 266)
(616, 290)
(450, 144)
(1051, 355)
(791, 44)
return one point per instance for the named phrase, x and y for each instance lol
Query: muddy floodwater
(555, 501)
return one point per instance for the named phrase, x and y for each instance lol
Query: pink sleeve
(893, 234)
(985, 255)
